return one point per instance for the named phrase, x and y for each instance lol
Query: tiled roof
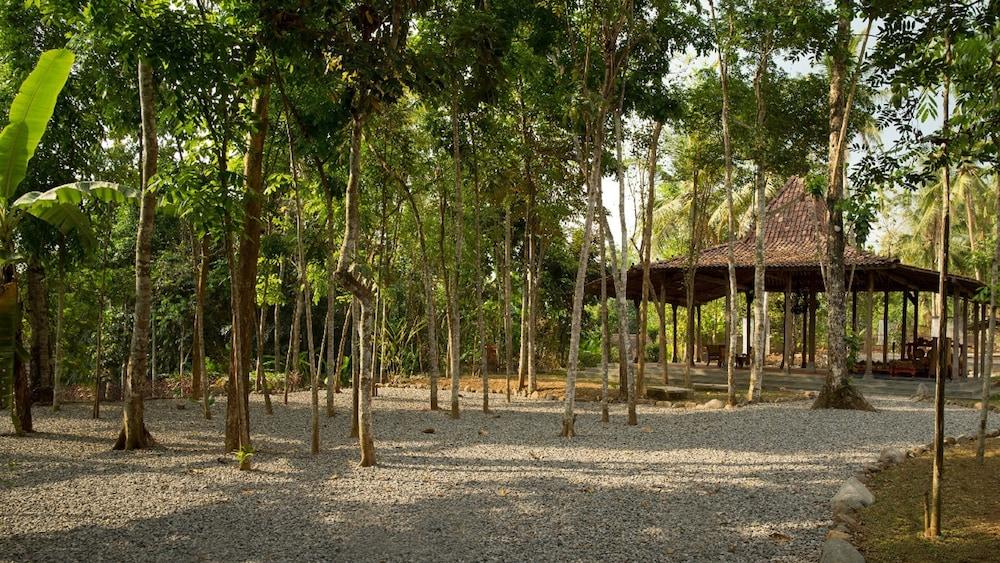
(793, 237)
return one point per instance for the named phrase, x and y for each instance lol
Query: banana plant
(28, 118)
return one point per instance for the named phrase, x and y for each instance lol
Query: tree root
(842, 395)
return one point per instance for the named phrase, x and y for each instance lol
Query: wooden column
(902, 326)
(869, 324)
(885, 327)
(697, 338)
(673, 322)
(805, 332)
(916, 314)
(786, 352)
(854, 311)
(975, 340)
(747, 339)
(955, 328)
(661, 313)
(963, 347)
(813, 305)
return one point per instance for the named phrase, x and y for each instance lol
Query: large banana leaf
(76, 193)
(13, 158)
(8, 337)
(37, 97)
(60, 206)
(29, 116)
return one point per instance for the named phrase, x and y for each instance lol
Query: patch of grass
(892, 528)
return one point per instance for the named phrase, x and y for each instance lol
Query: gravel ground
(685, 485)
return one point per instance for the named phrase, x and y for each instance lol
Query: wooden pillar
(854, 312)
(813, 305)
(746, 341)
(661, 310)
(869, 324)
(902, 326)
(976, 350)
(805, 331)
(963, 347)
(786, 350)
(955, 332)
(673, 322)
(697, 343)
(916, 314)
(885, 327)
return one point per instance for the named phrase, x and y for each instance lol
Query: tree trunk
(57, 368)
(689, 277)
(732, 304)
(95, 412)
(522, 360)
(306, 291)
(605, 337)
(837, 391)
(760, 197)
(355, 361)
(347, 277)
(294, 343)
(454, 300)
(625, 352)
(38, 317)
(246, 269)
(569, 418)
(508, 321)
(934, 521)
(987, 373)
(133, 434)
(332, 368)
(480, 305)
(345, 332)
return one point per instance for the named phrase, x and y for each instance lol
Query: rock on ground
(746, 485)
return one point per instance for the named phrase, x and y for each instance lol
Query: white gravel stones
(699, 485)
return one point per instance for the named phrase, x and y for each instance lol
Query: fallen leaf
(428, 430)
(502, 492)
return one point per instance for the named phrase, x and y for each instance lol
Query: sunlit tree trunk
(455, 331)
(760, 205)
(624, 350)
(480, 305)
(133, 434)
(348, 277)
(837, 390)
(246, 268)
(294, 343)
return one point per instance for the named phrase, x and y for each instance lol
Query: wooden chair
(715, 353)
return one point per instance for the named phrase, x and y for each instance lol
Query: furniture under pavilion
(794, 246)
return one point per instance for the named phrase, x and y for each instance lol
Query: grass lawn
(589, 388)
(891, 529)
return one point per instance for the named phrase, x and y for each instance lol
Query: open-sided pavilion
(794, 246)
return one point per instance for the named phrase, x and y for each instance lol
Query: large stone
(714, 404)
(853, 495)
(892, 456)
(836, 550)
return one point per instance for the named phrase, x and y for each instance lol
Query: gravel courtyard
(748, 485)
